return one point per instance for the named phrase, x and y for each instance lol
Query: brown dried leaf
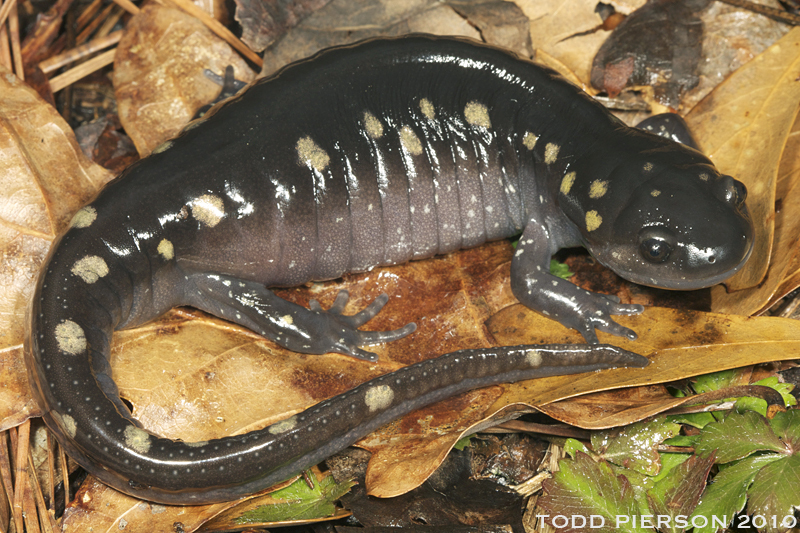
(743, 125)
(195, 377)
(347, 22)
(407, 451)
(498, 23)
(679, 344)
(97, 507)
(782, 275)
(732, 36)
(607, 409)
(264, 21)
(158, 73)
(44, 177)
(565, 30)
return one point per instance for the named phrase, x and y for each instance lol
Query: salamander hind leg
(292, 326)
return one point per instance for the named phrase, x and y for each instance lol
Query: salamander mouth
(688, 281)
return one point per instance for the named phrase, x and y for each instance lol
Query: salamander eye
(741, 192)
(655, 250)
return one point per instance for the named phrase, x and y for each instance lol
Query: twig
(62, 465)
(6, 500)
(79, 52)
(219, 29)
(51, 467)
(93, 25)
(45, 29)
(88, 13)
(16, 51)
(110, 22)
(5, 49)
(46, 520)
(769, 12)
(19, 454)
(5, 10)
(73, 75)
(128, 6)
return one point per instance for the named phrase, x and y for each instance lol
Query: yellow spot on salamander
(312, 155)
(66, 422)
(427, 109)
(70, 337)
(410, 141)
(208, 209)
(90, 268)
(477, 114)
(551, 153)
(287, 320)
(648, 167)
(372, 125)
(137, 439)
(379, 397)
(598, 189)
(534, 358)
(704, 176)
(593, 220)
(567, 182)
(529, 140)
(166, 249)
(84, 217)
(197, 444)
(654, 193)
(283, 426)
(163, 147)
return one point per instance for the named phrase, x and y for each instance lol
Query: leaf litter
(707, 335)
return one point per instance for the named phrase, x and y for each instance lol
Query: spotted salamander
(364, 155)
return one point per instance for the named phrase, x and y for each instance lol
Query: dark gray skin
(368, 155)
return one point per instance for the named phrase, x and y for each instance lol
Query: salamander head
(680, 227)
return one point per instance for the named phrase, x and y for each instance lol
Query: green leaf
(560, 269)
(727, 494)
(698, 420)
(787, 426)
(669, 461)
(463, 442)
(635, 446)
(774, 493)
(678, 492)
(748, 403)
(583, 490)
(716, 381)
(784, 388)
(572, 446)
(683, 440)
(639, 483)
(298, 502)
(737, 436)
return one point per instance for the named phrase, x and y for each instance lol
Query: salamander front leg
(314, 330)
(574, 307)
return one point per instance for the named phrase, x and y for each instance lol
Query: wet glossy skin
(362, 156)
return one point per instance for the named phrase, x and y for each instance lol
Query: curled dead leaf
(743, 126)
(44, 178)
(159, 79)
